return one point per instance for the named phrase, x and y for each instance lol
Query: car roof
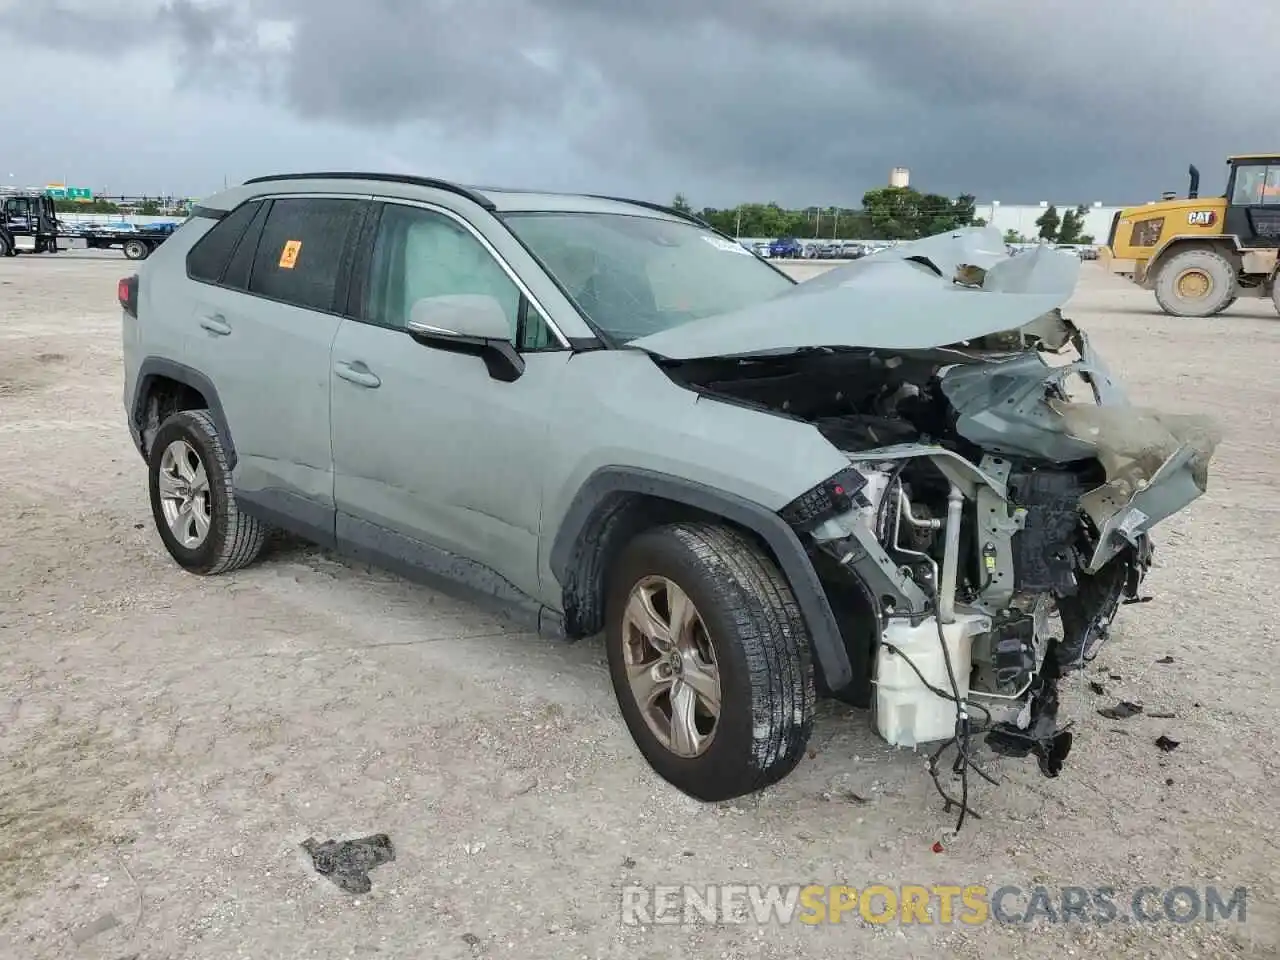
(494, 199)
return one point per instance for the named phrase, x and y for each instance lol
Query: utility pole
(737, 224)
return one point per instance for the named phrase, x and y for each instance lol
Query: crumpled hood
(903, 298)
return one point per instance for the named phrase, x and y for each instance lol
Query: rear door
(262, 332)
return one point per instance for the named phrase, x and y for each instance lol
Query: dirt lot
(168, 741)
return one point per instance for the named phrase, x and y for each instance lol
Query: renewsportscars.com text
(972, 904)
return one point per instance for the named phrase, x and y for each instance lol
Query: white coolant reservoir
(907, 712)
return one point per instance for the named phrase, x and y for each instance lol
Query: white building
(1022, 217)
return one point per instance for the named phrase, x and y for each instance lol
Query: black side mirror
(474, 324)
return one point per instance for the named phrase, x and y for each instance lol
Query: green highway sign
(69, 193)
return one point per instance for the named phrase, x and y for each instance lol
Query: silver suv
(909, 482)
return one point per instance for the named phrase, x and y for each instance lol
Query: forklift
(1200, 254)
(28, 221)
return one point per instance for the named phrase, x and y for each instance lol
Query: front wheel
(710, 661)
(1195, 283)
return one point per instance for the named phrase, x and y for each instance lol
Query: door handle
(357, 373)
(216, 324)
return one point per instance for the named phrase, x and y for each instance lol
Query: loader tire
(1195, 283)
(1225, 306)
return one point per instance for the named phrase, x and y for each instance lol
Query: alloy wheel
(671, 666)
(184, 494)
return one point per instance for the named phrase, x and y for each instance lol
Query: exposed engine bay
(994, 517)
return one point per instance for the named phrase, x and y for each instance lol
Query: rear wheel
(1196, 283)
(192, 500)
(136, 249)
(710, 661)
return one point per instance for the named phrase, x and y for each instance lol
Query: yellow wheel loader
(1201, 254)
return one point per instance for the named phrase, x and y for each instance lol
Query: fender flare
(155, 367)
(572, 550)
(1229, 242)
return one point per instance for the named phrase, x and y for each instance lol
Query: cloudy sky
(803, 102)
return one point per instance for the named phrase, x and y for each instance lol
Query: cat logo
(1202, 218)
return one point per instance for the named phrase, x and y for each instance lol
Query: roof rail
(471, 195)
(661, 208)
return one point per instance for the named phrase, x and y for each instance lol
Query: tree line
(887, 213)
(1067, 228)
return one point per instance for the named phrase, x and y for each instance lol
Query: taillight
(127, 293)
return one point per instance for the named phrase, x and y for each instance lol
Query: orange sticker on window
(289, 255)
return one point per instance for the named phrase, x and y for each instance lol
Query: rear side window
(236, 275)
(304, 250)
(209, 256)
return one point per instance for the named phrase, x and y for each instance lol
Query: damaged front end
(995, 514)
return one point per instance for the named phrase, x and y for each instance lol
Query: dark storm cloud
(76, 24)
(802, 102)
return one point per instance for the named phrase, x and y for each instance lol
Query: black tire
(761, 650)
(136, 249)
(7, 248)
(234, 539)
(1219, 271)
(1225, 306)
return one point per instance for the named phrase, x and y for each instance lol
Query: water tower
(899, 177)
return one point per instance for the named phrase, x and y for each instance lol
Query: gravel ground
(168, 741)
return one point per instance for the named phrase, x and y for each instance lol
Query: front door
(435, 462)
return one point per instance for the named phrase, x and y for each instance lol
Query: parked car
(788, 248)
(605, 417)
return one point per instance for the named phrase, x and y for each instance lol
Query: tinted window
(1271, 186)
(302, 251)
(1248, 188)
(635, 275)
(237, 273)
(420, 254)
(211, 252)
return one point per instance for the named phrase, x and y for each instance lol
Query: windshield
(634, 275)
